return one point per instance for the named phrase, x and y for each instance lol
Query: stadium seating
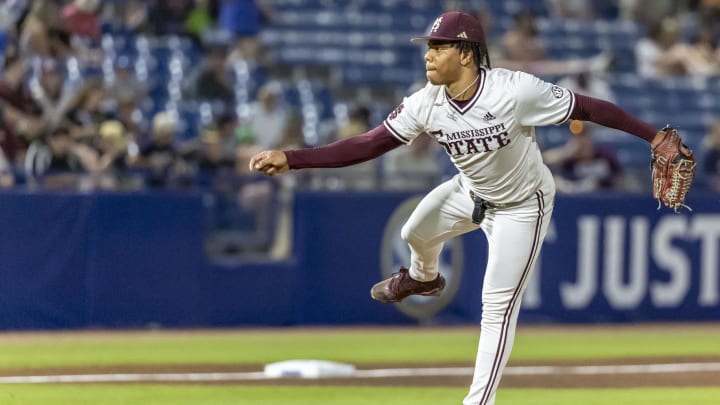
(364, 43)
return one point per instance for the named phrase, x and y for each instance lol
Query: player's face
(442, 63)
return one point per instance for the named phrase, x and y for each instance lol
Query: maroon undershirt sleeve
(378, 140)
(345, 152)
(609, 115)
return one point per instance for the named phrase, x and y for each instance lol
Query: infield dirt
(559, 380)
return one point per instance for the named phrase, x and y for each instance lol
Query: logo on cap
(462, 35)
(436, 24)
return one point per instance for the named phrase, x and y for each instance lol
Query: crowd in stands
(89, 100)
(130, 94)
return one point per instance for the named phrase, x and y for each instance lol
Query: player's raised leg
(442, 214)
(515, 236)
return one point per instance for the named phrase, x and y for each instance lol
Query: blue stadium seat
(189, 124)
(511, 7)
(552, 136)
(324, 101)
(714, 84)
(633, 154)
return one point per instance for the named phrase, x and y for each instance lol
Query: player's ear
(466, 57)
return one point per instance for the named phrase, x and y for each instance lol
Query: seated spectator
(574, 9)
(211, 81)
(522, 43)
(650, 50)
(168, 17)
(268, 116)
(710, 163)
(358, 122)
(209, 160)
(525, 50)
(127, 16)
(75, 32)
(661, 53)
(224, 130)
(647, 11)
(201, 18)
(212, 158)
(12, 148)
(580, 166)
(130, 115)
(227, 129)
(17, 106)
(243, 20)
(88, 109)
(159, 158)
(43, 33)
(52, 92)
(704, 53)
(106, 159)
(57, 161)
(292, 135)
(80, 17)
(125, 84)
(110, 171)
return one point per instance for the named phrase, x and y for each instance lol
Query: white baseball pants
(515, 234)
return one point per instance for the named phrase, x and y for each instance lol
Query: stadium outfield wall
(112, 260)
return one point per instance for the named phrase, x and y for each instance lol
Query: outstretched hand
(270, 162)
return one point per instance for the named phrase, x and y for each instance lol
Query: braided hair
(481, 56)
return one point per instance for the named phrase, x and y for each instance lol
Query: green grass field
(174, 395)
(23, 351)
(393, 345)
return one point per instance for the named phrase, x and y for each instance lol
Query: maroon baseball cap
(454, 26)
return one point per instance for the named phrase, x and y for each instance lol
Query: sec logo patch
(557, 91)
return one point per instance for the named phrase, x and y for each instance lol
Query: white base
(308, 369)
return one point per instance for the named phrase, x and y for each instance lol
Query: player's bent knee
(407, 234)
(412, 238)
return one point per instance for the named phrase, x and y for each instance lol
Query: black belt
(482, 205)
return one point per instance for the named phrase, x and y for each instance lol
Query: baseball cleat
(400, 285)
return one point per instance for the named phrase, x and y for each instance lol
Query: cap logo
(462, 35)
(436, 25)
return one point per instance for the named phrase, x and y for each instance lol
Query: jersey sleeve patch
(540, 102)
(405, 122)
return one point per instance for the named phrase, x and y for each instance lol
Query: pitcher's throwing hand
(270, 162)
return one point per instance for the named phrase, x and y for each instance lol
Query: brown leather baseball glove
(673, 168)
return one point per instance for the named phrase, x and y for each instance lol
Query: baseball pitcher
(484, 118)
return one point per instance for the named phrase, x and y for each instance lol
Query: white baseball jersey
(491, 140)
